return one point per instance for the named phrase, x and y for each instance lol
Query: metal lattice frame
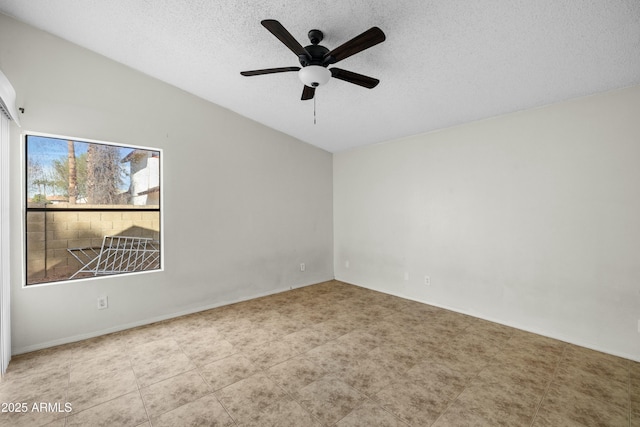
(118, 254)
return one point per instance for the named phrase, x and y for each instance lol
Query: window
(92, 209)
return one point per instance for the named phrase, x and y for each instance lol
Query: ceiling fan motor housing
(315, 55)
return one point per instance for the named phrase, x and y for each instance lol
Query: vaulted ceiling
(444, 62)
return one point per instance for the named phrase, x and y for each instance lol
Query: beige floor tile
(359, 342)
(271, 353)
(329, 399)
(529, 362)
(206, 411)
(469, 364)
(305, 339)
(86, 391)
(250, 337)
(597, 386)
(562, 402)
(555, 419)
(56, 358)
(102, 365)
(231, 323)
(194, 331)
(468, 343)
(320, 355)
(494, 332)
(171, 393)
(95, 348)
(396, 358)
(43, 386)
(227, 371)
(513, 377)
(421, 340)
(142, 335)
(203, 352)
(57, 423)
(449, 321)
(500, 404)
(414, 403)
(252, 394)
(456, 416)
(386, 329)
(295, 373)
(370, 414)
(441, 378)
(189, 327)
(353, 318)
(634, 391)
(331, 329)
(158, 360)
(281, 413)
(596, 363)
(31, 417)
(334, 357)
(127, 410)
(369, 376)
(281, 325)
(535, 344)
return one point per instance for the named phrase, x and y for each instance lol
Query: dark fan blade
(284, 36)
(269, 71)
(355, 78)
(369, 38)
(308, 92)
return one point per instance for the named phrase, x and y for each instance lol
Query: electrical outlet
(302, 266)
(427, 281)
(346, 264)
(103, 302)
(406, 275)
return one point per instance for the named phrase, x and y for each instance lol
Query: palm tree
(103, 174)
(73, 180)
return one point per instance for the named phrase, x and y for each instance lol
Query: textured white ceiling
(445, 62)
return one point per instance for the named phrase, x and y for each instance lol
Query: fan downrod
(315, 52)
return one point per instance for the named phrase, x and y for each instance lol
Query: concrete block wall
(50, 233)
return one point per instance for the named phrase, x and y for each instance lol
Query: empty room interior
(424, 213)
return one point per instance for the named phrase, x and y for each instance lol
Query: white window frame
(24, 137)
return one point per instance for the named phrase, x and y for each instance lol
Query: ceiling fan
(315, 58)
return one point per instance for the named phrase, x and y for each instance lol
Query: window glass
(93, 209)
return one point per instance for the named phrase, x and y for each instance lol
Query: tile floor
(329, 354)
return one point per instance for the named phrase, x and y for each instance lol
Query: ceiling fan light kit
(315, 58)
(314, 75)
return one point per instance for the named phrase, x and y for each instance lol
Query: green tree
(36, 180)
(61, 175)
(40, 198)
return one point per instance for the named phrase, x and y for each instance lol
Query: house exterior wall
(145, 175)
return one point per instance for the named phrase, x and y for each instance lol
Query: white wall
(531, 219)
(244, 205)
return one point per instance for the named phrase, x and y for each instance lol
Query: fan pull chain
(314, 110)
